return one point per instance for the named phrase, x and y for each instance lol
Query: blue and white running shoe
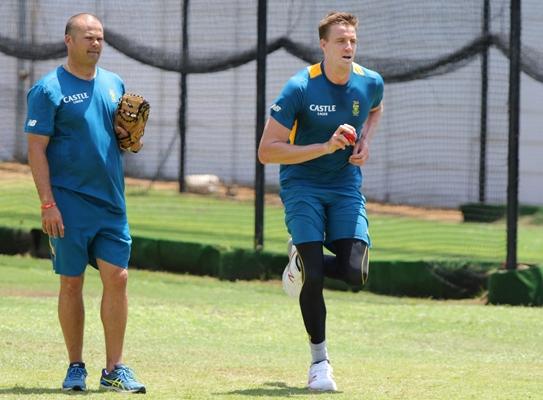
(75, 377)
(121, 379)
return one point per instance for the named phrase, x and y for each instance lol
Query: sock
(78, 364)
(318, 352)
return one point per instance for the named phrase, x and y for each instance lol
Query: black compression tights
(345, 265)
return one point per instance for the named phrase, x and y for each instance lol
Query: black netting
(392, 69)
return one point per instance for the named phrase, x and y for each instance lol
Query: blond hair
(336, 18)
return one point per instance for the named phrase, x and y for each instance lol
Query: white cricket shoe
(293, 278)
(321, 378)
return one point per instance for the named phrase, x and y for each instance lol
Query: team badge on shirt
(113, 95)
(356, 108)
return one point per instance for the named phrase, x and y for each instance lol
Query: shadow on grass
(274, 389)
(38, 390)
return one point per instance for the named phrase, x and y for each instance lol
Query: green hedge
(479, 212)
(14, 241)
(167, 255)
(523, 286)
(415, 278)
(426, 279)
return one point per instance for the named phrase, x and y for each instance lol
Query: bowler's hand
(51, 222)
(361, 153)
(338, 140)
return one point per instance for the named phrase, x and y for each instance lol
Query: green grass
(200, 338)
(205, 219)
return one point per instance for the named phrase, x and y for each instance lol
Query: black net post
(260, 119)
(484, 102)
(513, 156)
(19, 153)
(183, 97)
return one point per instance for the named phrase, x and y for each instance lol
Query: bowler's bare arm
(274, 147)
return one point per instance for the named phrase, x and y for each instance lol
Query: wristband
(45, 206)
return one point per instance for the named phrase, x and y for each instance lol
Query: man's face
(85, 42)
(339, 46)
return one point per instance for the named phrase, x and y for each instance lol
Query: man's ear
(322, 43)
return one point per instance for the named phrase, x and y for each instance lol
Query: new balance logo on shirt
(275, 107)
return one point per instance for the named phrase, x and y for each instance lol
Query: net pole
(21, 95)
(484, 104)
(183, 98)
(260, 118)
(513, 155)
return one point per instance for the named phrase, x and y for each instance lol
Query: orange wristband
(45, 206)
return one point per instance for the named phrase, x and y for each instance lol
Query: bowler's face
(340, 45)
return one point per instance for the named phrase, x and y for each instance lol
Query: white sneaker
(320, 377)
(293, 274)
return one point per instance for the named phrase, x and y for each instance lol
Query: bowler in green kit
(319, 130)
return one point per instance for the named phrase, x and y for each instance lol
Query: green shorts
(320, 214)
(91, 231)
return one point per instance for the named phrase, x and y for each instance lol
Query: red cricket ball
(351, 137)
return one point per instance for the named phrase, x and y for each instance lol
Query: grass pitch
(200, 338)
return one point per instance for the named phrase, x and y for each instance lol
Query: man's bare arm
(274, 146)
(51, 219)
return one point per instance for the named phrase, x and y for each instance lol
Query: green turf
(204, 219)
(200, 338)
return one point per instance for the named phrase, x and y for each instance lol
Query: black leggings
(346, 265)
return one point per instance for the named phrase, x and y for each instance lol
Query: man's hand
(121, 132)
(361, 153)
(339, 138)
(51, 222)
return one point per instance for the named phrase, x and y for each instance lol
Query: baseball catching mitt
(131, 115)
